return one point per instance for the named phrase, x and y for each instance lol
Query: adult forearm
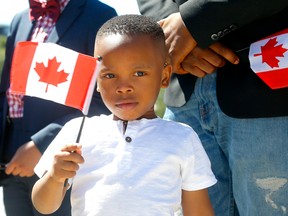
(207, 18)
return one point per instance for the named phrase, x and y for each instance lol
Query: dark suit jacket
(236, 24)
(75, 29)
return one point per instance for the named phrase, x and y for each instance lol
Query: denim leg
(248, 156)
(258, 157)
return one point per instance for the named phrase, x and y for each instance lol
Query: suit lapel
(25, 28)
(70, 13)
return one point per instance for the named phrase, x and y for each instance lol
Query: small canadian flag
(52, 72)
(269, 59)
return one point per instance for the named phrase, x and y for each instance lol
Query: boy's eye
(109, 76)
(139, 73)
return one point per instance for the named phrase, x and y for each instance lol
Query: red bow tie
(50, 8)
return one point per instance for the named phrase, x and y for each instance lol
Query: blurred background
(7, 10)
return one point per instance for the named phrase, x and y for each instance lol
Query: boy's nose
(124, 89)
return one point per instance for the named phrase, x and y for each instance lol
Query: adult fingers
(225, 52)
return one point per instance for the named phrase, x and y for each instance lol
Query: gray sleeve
(158, 9)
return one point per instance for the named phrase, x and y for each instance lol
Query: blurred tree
(2, 51)
(160, 106)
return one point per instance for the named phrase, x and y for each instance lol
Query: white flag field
(52, 72)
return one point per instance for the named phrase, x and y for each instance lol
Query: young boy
(135, 162)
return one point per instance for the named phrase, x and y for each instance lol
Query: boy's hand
(66, 162)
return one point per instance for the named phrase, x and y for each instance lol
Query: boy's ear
(166, 75)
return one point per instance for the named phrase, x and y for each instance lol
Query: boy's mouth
(127, 105)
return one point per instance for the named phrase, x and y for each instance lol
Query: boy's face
(131, 74)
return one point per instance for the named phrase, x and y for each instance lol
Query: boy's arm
(196, 203)
(48, 194)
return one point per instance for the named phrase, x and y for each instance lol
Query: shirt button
(128, 139)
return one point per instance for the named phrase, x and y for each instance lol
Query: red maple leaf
(49, 74)
(270, 52)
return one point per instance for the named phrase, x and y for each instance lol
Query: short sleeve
(196, 171)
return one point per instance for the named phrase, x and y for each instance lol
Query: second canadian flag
(55, 73)
(269, 59)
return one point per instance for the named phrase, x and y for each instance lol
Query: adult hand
(179, 42)
(24, 160)
(200, 62)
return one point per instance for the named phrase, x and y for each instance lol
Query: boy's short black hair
(131, 24)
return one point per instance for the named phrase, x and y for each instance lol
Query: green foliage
(2, 51)
(160, 106)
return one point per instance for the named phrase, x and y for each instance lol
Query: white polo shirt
(141, 172)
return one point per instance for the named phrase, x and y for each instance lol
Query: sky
(8, 8)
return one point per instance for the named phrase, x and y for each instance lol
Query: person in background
(241, 121)
(28, 124)
(135, 162)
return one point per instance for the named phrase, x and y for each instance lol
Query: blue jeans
(249, 157)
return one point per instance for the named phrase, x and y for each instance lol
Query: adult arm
(204, 18)
(209, 21)
(181, 45)
(202, 23)
(28, 155)
(24, 160)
